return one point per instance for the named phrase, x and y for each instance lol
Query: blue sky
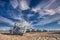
(43, 14)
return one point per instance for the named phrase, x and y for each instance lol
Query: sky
(42, 14)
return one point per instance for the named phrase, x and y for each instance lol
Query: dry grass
(31, 36)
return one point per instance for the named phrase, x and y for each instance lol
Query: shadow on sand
(54, 33)
(11, 34)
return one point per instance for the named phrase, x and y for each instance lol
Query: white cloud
(54, 4)
(41, 5)
(48, 5)
(23, 5)
(14, 3)
(58, 22)
(5, 28)
(49, 12)
(58, 9)
(3, 19)
(29, 15)
(24, 23)
(33, 21)
(35, 9)
(48, 20)
(14, 14)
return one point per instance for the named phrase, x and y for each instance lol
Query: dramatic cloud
(14, 3)
(58, 22)
(35, 9)
(48, 20)
(5, 28)
(23, 5)
(41, 5)
(3, 19)
(52, 1)
(29, 15)
(58, 9)
(24, 23)
(46, 12)
(47, 7)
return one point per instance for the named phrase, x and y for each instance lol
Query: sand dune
(31, 36)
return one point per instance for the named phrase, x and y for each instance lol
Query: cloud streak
(48, 20)
(47, 7)
(3, 19)
(22, 4)
(41, 5)
(14, 3)
(24, 23)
